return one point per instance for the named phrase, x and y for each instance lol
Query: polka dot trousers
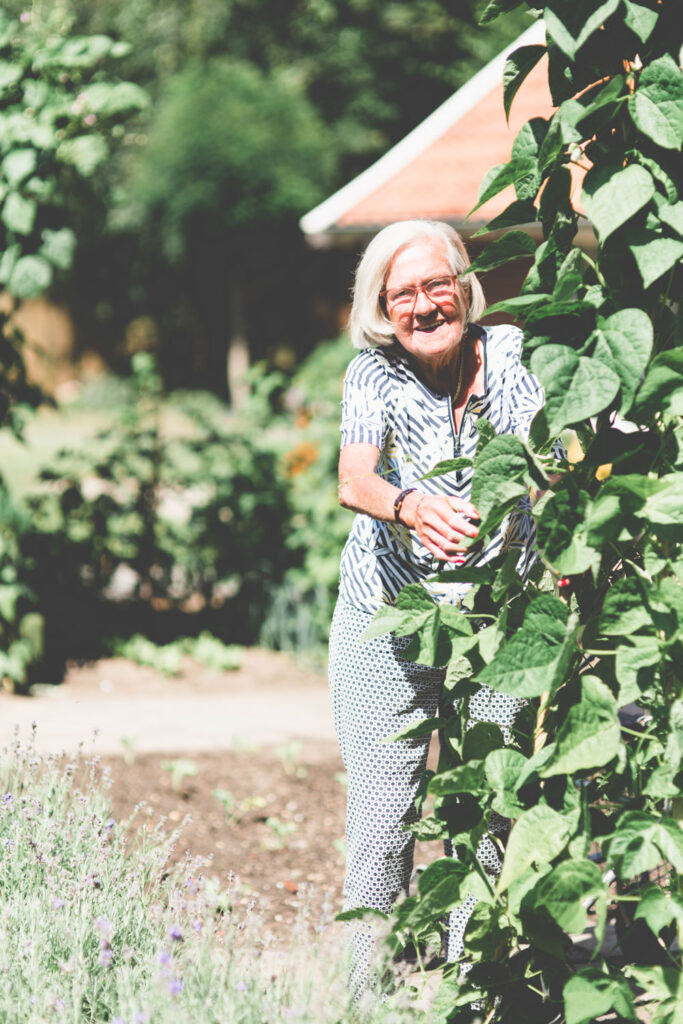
(375, 694)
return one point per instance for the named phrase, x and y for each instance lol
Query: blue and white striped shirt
(386, 404)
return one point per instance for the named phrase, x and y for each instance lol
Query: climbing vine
(594, 795)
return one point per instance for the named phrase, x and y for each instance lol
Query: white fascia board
(327, 213)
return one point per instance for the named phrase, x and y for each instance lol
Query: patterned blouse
(386, 404)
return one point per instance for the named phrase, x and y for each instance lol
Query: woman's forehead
(419, 258)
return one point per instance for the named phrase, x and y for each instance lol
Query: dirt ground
(267, 807)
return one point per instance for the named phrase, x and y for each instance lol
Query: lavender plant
(97, 925)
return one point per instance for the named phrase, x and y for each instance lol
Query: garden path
(269, 700)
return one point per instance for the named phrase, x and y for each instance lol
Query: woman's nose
(423, 304)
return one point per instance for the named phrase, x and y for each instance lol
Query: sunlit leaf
(538, 835)
(564, 891)
(591, 993)
(518, 65)
(639, 19)
(590, 735)
(570, 24)
(657, 104)
(513, 245)
(624, 342)
(656, 256)
(612, 196)
(576, 387)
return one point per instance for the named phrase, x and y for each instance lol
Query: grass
(96, 926)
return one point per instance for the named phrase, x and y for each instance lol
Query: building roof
(437, 169)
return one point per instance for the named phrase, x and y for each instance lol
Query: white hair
(368, 323)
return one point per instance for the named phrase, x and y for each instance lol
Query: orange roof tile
(436, 171)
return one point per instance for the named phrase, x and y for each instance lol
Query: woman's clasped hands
(443, 524)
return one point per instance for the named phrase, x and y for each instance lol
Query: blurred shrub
(308, 446)
(180, 511)
(183, 516)
(21, 625)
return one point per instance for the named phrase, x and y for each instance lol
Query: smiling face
(431, 330)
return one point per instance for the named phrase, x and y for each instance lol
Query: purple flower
(196, 926)
(241, 986)
(109, 824)
(175, 933)
(140, 1017)
(175, 987)
(8, 798)
(117, 1020)
(164, 957)
(104, 927)
(106, 956)
(57, 903)
(24, 17)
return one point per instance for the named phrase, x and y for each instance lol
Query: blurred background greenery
(178, 472)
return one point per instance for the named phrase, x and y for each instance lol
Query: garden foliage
(600, 623)
(162, 513)
(59, 110)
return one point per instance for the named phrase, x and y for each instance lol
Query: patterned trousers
(376, 693)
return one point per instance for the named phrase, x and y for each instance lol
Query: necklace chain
(461, 368)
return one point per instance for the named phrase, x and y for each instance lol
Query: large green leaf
(590, 735)
(639, 19)
(59, 247)
(635, 668)
(19, 213)
(591, 993)
(502, 769)
(657, 104)
(655, 256)
(561, 532)
(641, 842)
(441, 891)
(513, 245)
(520, 211)
(662, 389)
(672, 215)
(624, 343)
(30, 277)
(499, 475)
(502, 175)
(527, 665)
(575, 387)
(563, 893)
(549, 616)
(518, 65)
(537, 837)
(467, 778)
(659, 908)
(611, 196)
(571, 25)
(624, 609)
(664, 508)
(19, 164)
(85, 152)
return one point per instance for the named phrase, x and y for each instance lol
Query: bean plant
(594, 797)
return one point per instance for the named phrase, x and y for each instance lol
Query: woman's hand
(441, 522)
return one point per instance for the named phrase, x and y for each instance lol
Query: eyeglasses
(438, 289)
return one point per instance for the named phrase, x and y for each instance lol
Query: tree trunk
(238, 345)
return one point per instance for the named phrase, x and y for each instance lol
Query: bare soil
(283, 830)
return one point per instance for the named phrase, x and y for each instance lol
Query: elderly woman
(412, 397)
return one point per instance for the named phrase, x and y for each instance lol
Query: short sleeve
(363, 411)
